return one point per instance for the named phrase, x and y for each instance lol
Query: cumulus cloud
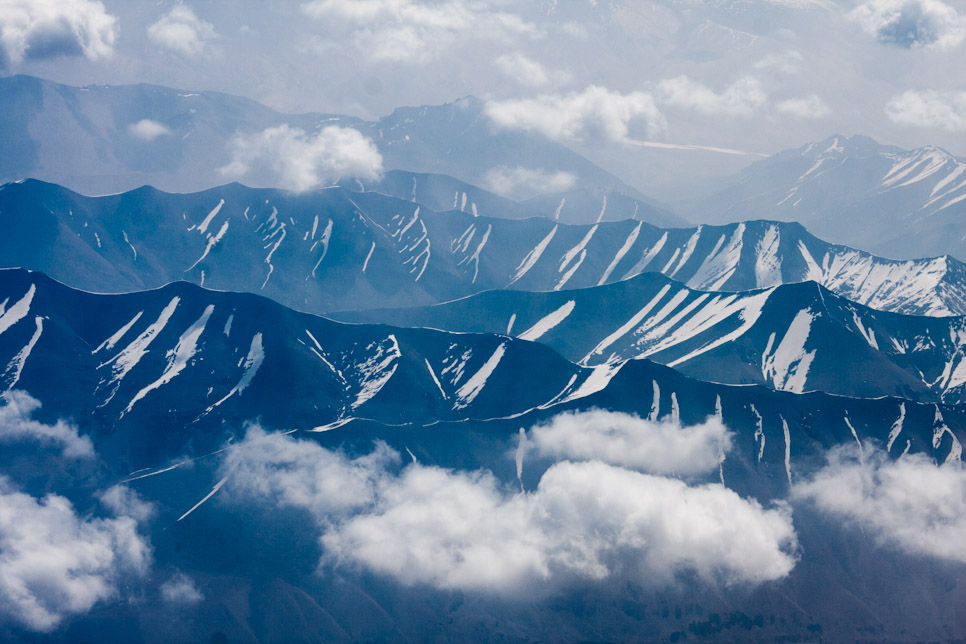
(519, 182)
(585, 521)
(529, 72)
(54, 563)
(180, 589)
(911, 23)
(929, 108)
(596, 111)
(180, 30)
(806, 107)
(657, 447)
(33, 29)
(287, 157)
(744, 98)
(148, 130)
(410, 31)
(910, 503)
(16, 425)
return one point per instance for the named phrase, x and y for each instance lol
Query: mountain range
(336, 249)
(852, 190)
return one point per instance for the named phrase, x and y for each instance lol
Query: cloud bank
(55, 563)
(596, 111)
(585, 521)
(35, 29)
(287, 157)
(656, 447)
(16, 425)
(911, 503)
(181, 31)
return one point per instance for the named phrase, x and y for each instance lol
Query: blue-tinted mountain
(794, 337)
(440, 192)
(852, 190)
(336, 249)
(160, 380)
(81, 137)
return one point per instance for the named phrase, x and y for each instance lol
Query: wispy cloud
(745, 97)
(148, 130)
(929, 108)
(520, 183)
(911, 503)
(180, 30)
(410, 31)
(529, 72)
(287, 157)
(594, 112)
(806, 107)
(16, 424)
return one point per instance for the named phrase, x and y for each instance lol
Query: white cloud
(529, 72)
(54, 563)
(912, 23)
(148, 130)
(287, 157)
(16, 425)
(180, 589)
(787, 62)
(122, 501)
(520, 183)
(910, 503)
(744, 98)
(585, 521)
(410, 31)
(929, 108)
(32, 29)
(290, 473)
(578, 115)
(657, 447)
(806, 107)
(182, 31)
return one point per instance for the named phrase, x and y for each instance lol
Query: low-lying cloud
(529, 72)
(55, 563)
(16, 425)
(148, 130)
(806, 107)
(596, 111)
(181, 31)
(911, 503)
(911, 23)
(585, 521)
(520, 183)
(287, 157)
(35, 29)
(745, 97)
(656, 447)
(929, 108)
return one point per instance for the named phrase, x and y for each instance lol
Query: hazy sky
(749, 75)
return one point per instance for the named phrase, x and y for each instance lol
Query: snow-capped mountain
(336, 249)
(440, 192)
(852, 190)
(795, 337)
(162, 383)
(189, 358)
